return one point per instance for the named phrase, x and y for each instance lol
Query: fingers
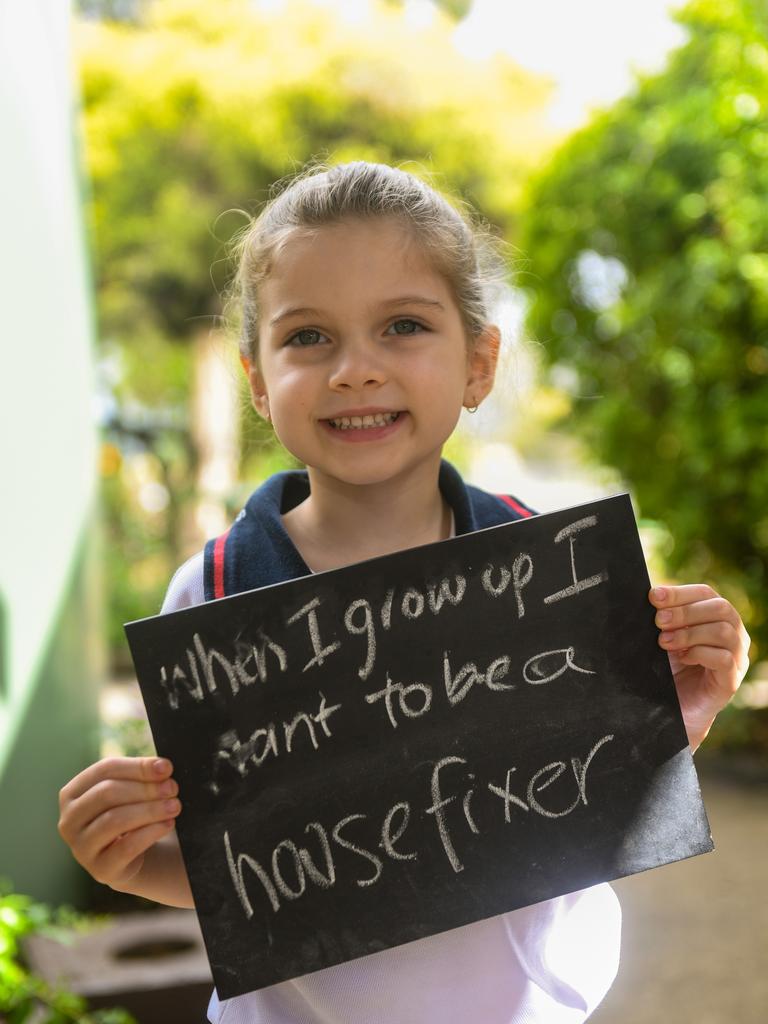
(695, 618)
(138, 769)
(110, 796)
(714, 634)
(669, 597)
(119, 861)
(90, 839)
(718, 660)
(715, 609)
(113, 811)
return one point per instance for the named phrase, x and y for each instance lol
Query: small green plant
(127, 737)
(26, 997)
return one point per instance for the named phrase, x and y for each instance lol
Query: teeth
(379, 419)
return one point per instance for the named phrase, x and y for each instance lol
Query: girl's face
(363, 361)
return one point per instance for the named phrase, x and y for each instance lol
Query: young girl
(366, 328)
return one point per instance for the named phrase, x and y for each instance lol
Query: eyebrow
(402, 300)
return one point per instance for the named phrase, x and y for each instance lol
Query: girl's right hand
(114, 811)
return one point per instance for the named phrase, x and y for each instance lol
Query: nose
(357, 366)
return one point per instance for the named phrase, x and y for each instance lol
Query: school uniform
(551, 963)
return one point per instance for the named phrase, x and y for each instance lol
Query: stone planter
(152, 964)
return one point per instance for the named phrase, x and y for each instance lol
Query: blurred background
(619, 148)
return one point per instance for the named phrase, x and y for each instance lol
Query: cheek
(292, 400)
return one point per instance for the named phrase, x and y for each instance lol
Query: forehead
(355, 260)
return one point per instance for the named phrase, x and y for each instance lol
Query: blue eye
(300, 339)
(404, 320)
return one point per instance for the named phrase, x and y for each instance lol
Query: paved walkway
(695, 938)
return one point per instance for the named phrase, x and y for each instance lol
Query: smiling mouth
(379, 419)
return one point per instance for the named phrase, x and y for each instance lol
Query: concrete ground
(695, 935)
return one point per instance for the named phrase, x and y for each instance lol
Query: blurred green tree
(194, 109)
(647, 236)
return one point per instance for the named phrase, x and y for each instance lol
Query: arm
(163, 877)
(708, 649)
(117, 816)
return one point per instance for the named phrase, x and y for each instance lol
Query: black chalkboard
(379, 753)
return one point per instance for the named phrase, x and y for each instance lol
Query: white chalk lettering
(438, 596)
(320, 652)
(325, 881)
(323, 714)
(209, 658)
(498, 669)
(467, 815)
(439, 803)
(358, 629)
(359, 850)
(262, 743)
(280, 882)
(291, 727)
(521, 578)
(554, 771)
(180, 678)
(534, 673)
(580, 770)
(258, 654)
(403, 693)
(458, 686)
(508, 796)
(577, 586)
(386, 609)
(236, 755)
(412, 604)
(293, 867)
(236, 874)
(545, 777)
(495, 589)
(388, 840)
(213, 663)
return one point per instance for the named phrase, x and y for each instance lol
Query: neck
(342, 523)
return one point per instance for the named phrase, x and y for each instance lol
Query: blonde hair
(458, 245)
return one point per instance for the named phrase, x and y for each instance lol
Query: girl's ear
(481, 366)
(258, 388)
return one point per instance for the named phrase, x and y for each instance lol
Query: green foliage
(129, 737)
(648, 240)
(25, 997)
(199, 108)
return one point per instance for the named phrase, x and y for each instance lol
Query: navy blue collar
(257, 550)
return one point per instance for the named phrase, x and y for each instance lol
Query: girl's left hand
(708, 649)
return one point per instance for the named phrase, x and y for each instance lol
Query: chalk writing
(263, 742)
(211, 663)
(420, 705)
(321, 652)
(533, 670)
(291, 866)
(577, 586)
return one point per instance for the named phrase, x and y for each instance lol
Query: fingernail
(167, 788)
(161, 766)
(660, 593)
(171, 806)
(667, 638)
(665, 616)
